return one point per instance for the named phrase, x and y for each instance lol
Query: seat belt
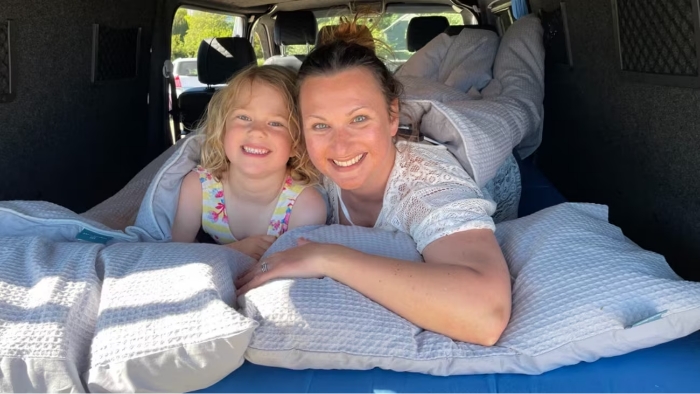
(174, 106)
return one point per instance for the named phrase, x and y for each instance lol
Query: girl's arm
(188, 218)
(462, 291)
(309, 209)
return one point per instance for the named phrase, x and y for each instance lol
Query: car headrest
(422, 29)
(455, 30)
(295, 28)
(219, 58)
(327, 31)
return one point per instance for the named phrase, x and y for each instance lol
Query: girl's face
(257, 138)
(348, 128)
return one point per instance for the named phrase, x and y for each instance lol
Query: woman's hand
(307, 260)
(254, 246)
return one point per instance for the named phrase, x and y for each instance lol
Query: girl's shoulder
(310, 207)
(191, 189)
(201, 171)
(205, 176)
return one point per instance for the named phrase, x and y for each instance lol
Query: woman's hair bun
(348, 31)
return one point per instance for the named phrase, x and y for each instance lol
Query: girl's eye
(243, 117)
(359, 118)
(320, 126)
(276, 124)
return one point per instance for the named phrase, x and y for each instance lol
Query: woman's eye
(320, 126)
(359, 118)
(243, 117)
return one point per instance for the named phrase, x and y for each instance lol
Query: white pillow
(50, 294)
(166, 319)
(581, 291)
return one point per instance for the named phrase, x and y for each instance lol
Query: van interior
(88, 98)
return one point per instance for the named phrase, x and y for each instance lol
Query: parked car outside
(185, 74)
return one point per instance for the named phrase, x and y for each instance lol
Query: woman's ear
(394, 117)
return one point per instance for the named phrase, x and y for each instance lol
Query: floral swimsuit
(215, 219)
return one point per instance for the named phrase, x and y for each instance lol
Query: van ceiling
(291, 5)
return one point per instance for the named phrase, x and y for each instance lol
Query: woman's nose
(340, 140)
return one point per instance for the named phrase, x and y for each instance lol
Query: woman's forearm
(455, 300)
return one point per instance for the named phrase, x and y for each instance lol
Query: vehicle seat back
(218, 59)
(422, 29)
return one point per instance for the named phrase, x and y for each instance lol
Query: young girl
(253, 181)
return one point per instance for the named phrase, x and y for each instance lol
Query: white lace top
(428, 196)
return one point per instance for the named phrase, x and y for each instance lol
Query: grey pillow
(50, 293)
(166, 319)
(582, 291)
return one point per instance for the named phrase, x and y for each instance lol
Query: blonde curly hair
(213, 124)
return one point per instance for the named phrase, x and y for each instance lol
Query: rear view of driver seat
(422, 29)
(217, 60)
(293, 28)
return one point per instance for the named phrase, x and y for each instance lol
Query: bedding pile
(103, 302)
(479, 96)
(105, 313)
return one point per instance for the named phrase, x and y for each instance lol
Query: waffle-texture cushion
(49, 295)
(166, 318)
(582, 291)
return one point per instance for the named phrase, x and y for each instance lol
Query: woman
(349, 104)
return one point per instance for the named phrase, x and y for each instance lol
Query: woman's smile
(349, 164)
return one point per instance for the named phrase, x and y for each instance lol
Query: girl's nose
(257, 128)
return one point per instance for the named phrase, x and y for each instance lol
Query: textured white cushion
(581, 291)
(166, 320)
(49, 295)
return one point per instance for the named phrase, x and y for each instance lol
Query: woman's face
(348, 128)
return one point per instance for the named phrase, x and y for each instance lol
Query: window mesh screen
(4, 59)
(117, 51)
(657, 36)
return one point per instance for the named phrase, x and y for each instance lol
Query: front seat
(422, 29)
(217, 60)
(293, 28)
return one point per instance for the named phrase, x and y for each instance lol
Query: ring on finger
(264, 267)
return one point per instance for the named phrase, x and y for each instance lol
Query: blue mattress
(670, 367)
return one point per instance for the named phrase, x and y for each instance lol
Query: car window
(190, 27)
